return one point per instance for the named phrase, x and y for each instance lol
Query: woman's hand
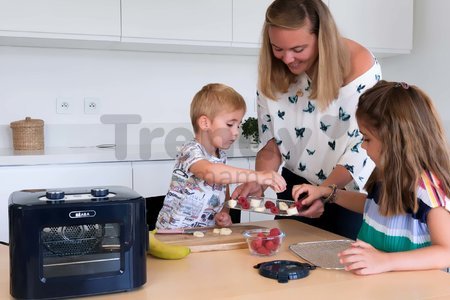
(363, 259)
(223, 219)
(309, 196)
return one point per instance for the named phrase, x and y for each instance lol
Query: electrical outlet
(64, 105)
(92, 105)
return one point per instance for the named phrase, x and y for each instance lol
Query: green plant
(250, 129)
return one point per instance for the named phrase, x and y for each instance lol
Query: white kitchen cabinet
(248, 20)
(152, 178)
(56, 19)
(17, 178)
(195, 22)
(383, 26)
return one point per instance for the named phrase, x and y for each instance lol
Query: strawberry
(274, 232)
(269, 204)
(274, 210)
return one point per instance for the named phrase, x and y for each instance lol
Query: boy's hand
(223, 219)
(272, 179)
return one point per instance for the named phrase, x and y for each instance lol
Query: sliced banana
(216, 230)
(198, 234)
(292, 211)
(259, 209)
(283, 206)
(255, 203)
(232, 203)
(225, 231)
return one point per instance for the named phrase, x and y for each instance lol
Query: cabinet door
(177, 21)
(57, 176)
(152, 178)
(384, 26)
(68, 19)
(248, 20)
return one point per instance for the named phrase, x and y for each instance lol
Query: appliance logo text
(82, 214)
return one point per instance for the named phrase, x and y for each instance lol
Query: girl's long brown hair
(333, 63)
(413, 141)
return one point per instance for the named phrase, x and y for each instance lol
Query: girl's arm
(218, 173)
(363, 259)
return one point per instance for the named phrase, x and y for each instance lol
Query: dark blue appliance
(75, 242)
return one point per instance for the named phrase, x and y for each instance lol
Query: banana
(160, 249)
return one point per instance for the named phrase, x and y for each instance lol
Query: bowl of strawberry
(264, 242)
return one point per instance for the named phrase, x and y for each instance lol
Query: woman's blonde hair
(213, 99)
(405, 121)
(333, 63)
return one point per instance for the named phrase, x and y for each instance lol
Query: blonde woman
(310, 79)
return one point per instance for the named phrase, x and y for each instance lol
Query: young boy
(200, 177)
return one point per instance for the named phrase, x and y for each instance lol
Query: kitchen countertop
(88, 154)
(230, 275)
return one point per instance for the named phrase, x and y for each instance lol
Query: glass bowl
(264, 242)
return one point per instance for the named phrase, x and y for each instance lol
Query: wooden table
(230, 275)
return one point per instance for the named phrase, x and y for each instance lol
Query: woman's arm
(267, 159)
(353, 201)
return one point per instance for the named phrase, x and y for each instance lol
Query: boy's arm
(218, 173)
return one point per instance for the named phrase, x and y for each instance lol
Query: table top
(230, 275)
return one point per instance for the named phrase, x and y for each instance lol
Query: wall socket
(64, 105)
(92, 105)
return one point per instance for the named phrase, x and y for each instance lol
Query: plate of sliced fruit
(270, 206)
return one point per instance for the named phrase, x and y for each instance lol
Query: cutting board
(211, 241)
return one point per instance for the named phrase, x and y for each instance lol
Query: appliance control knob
(101, 192)
(55, 195)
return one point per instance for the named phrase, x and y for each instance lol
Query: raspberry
(299, 205)
(255, 244)
(245, 204)
(263, 250)
(274, 232)
(271, 245)
(269, 204)
(241, 199)
(274, 210)
(261, 235)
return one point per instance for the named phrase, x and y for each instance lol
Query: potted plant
(250, 130)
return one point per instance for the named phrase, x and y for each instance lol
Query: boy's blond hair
(213, 99)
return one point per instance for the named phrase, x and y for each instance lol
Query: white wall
(160, 86)
(428, 66)
(157, 86)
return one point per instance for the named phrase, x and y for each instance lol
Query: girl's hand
(223, 219)
(309, 195)
(272, 179)
(363, 259)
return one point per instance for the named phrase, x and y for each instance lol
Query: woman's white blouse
(313, 142)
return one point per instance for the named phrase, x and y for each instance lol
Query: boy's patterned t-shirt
(190, 201)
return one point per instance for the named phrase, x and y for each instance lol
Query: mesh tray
(322, 254)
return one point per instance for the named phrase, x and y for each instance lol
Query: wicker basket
(28, 134)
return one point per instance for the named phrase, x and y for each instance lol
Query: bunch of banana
(160, 249)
